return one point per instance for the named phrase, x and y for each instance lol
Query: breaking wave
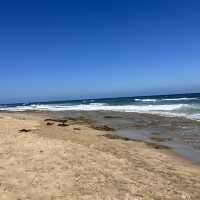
(167, 99)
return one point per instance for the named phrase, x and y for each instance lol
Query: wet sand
(180, 134)
(80, 158)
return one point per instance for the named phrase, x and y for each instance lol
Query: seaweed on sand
(102, 127)
(115, 137)
(24, 130)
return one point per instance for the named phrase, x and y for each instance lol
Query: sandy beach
(43, 159)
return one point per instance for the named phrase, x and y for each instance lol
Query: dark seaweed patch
(24, 130)
(102, 127)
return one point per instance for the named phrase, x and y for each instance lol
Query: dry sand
(61, 163)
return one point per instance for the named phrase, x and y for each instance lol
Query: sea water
(178, 105)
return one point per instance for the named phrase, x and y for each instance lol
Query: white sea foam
(99, 106)
(174, 110)
(166, 99)
(147, 100)
(179, 99)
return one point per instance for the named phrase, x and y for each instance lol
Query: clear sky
(52, 50)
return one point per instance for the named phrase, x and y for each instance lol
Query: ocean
(178, 105)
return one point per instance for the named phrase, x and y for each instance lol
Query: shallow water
(135, 134)
(147, 135)
(186, 151)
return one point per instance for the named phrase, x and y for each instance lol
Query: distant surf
(181, 105)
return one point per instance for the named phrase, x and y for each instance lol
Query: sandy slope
(52, 162)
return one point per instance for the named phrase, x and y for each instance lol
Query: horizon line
(81, 99)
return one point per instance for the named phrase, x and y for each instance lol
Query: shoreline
(88, 161)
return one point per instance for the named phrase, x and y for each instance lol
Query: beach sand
(50, 162)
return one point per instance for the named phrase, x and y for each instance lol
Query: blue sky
(51, 50)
